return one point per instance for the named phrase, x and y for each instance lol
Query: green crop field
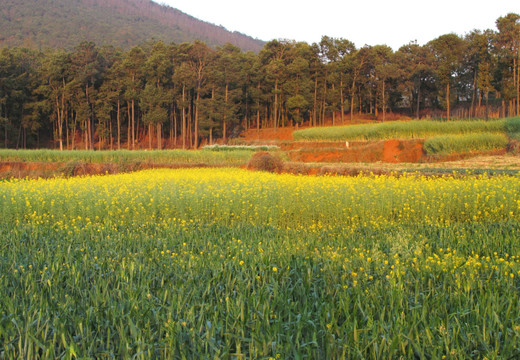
(450, 144)
(226, 263)
(409, 129)
(208, 156)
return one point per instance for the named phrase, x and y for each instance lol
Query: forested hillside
(181, 95)
(40, 24)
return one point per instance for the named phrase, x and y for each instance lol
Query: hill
(44, 24)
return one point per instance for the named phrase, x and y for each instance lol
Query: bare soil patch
(392, 151)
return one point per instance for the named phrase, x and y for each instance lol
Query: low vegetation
(408, 129)
(264, 161)
(217, 147)
(452, 144)
(208, 157)
(221, 263)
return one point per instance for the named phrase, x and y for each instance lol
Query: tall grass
(407, 129)
(235, 157)
(451, 144)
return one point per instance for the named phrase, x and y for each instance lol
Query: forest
(159, 95)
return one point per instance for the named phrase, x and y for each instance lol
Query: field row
(223, 156)
(409, 129)
(233, 196)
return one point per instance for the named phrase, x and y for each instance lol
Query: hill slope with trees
(41, 24)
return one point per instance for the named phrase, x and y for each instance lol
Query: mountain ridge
(45, 24)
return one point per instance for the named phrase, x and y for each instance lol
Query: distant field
(229, 157)
(450, 144)
(408, 129)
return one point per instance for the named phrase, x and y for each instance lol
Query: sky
(372, 22)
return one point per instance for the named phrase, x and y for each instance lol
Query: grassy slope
(407, 129)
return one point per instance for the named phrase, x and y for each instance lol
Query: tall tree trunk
(183, 129)
(73, 140)
(448, 102)
(59, 125)
(133, 124)
(315, 108)
(118, 125)
(174, 127)
(172, 110)
(472, 111)
(518, 83)
(150, 136)
(258, 108)
(111, 137)
(333, 107)
(258, 118)
(487, 111)
(418, 100)
(224, 121)
(360, 100)
(159, 136)
(352, 97)
(324, 105)
(196, 130)
(342, 101)
(384, 102)
(5, 125)
(67, 135)
(275, 103)
(86, 127)
(129, 129)
(190, 122)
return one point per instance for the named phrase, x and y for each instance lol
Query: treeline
(157, 95)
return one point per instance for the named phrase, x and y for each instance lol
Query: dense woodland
(159, 95)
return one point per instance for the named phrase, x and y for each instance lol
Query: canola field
(232, 264)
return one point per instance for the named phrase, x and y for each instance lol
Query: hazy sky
(371, 22)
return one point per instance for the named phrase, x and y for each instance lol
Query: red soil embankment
(392, 151)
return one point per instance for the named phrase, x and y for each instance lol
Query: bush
(513, 147)
(265, 161)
